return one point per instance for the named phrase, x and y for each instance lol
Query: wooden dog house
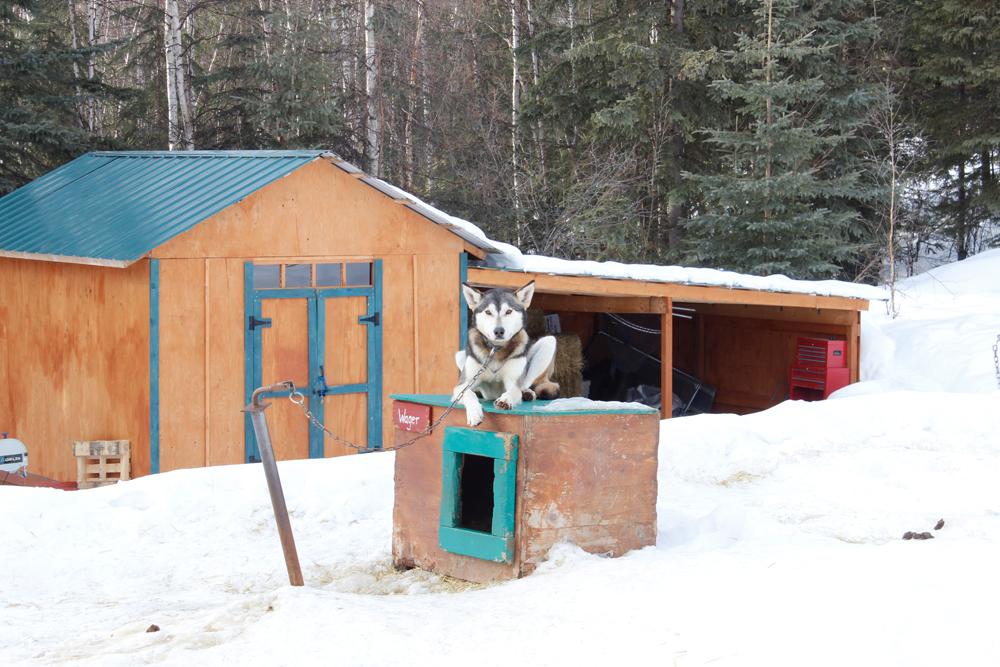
(487, 504)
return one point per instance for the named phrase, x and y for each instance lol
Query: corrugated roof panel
(119, 206)
(114, 207)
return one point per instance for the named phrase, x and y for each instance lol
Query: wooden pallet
(102, 462)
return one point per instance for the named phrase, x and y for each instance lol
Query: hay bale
(569, 365)
(535, 324)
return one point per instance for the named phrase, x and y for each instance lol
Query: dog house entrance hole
(476, 493)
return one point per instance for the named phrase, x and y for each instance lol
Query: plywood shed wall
(74, 359)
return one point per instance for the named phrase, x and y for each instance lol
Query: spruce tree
(40, 96)
(954, 79)
(784, 198)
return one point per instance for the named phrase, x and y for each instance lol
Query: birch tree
(373, 146)
(180, 130)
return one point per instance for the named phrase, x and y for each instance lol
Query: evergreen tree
(40, 96)
(954, 80)
(784, 200)
(297, 104)
(624, 86)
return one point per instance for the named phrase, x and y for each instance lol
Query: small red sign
(410, 416)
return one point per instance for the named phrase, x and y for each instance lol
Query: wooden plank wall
(74, 360)
(745, 352)
(202, 359)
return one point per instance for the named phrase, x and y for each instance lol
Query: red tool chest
(820, 369)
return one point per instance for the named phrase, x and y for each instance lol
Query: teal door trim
(373, 321)
(154, 366)
(498, 544)
(316, 311)
(251, 454)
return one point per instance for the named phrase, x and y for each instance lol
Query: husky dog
(520, 369)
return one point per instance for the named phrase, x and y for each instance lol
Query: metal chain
(630, 325)
(996, 359)
(426, 432)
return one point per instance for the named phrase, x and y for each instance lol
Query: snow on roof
(513, 259)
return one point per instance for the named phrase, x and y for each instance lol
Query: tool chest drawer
(822, 353)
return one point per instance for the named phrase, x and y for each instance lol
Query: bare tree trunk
(76, 68)
(408, 130)
(170, 29)
(515, 105)
(179, 126)
(371, 91)
(536, 79)
(674, 231)
(94, 106)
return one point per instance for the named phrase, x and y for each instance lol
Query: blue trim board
(374, 378)
(463, 315)
(480, 443)
(154, 366)
(249, 440)
(497, 545)
(478, 545)
(317, 358)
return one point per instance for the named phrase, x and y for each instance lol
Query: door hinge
(254, 322)
(374, 319)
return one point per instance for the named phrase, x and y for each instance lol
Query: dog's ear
(524, 294)
(473, 297)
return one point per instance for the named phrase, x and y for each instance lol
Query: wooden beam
(667, 360)
(854, 348)
(599, 304)
(782, 313)
(599, 286)
(777, 325)
(478, 253)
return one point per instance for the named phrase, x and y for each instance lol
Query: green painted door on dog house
(319, 326)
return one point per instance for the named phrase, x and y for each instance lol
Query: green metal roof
(114, 207)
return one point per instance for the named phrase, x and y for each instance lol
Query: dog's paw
(527, 395)
(474, 414)
(502, 404)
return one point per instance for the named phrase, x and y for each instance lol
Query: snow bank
(779, 541)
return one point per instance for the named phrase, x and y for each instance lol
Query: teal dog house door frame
(479, 470)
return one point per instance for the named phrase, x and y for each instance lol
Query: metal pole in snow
(256, 411)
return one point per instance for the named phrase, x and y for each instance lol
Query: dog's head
(499, 313)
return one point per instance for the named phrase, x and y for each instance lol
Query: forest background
(846, 139)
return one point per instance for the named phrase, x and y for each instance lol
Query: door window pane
(266, 275)
(298, 275)
(359, 274)
(328, 275)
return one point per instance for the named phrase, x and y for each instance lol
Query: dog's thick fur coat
(520, 369)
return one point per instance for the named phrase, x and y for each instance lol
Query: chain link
(630, 325)
(301, 402)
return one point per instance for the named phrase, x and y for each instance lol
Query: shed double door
(327, 341)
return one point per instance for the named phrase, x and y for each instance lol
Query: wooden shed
(735, 339)
(144, 295)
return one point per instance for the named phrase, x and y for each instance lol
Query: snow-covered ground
(779, 541)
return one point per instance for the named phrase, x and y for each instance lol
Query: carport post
(256, 411)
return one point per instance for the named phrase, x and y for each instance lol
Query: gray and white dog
(520, 369)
